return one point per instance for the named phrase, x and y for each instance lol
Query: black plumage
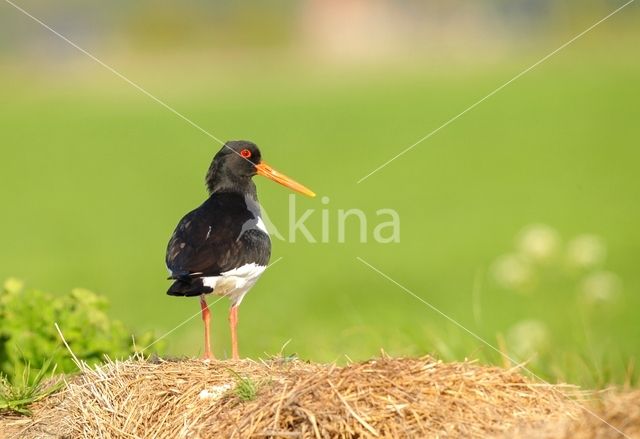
(214, 239)
(221, 234)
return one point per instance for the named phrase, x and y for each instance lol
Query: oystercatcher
(223, 246)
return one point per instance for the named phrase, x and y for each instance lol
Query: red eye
(245, 153)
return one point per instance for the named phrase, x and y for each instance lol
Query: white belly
(235, 283)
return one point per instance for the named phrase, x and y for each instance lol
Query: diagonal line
(473, 334)
(477, 337)
(124, 78)
(117, 73)
(515, 78)
(198, 313)
(180, 325)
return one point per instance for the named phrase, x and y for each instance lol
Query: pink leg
(206, 318)
(233, 325)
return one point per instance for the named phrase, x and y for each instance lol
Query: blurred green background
(519, 220)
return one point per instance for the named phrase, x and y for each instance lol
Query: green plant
(17, 397)
(28, 335)
(246, 389)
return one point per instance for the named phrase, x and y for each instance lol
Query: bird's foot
(208, 356)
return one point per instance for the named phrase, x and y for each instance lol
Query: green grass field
(96, 175)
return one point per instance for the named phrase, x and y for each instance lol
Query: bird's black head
(236, 163)
(233, 166)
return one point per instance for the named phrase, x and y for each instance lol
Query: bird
(222, 247)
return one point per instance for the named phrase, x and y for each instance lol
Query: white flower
(539, 242)
(586, 251)
(512, 271)
(13, 285)
(601, 286)
(527, 338)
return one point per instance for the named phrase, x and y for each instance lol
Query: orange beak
(267, 171)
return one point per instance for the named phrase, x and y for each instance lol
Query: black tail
(188, 287)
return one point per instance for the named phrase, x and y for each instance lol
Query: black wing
(211, 239)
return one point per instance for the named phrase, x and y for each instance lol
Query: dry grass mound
(289, 398)
(282, 398)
